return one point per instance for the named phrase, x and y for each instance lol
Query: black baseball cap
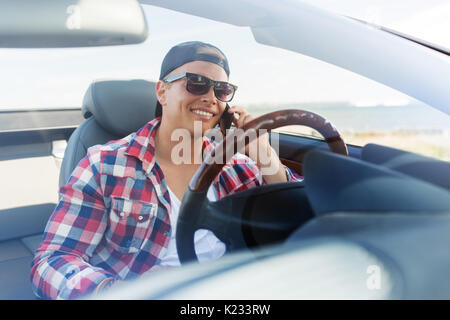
(187, 52)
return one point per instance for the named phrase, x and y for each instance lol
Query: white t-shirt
(207, 245)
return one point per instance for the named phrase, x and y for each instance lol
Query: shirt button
(122, 214)
(140, 218)
(166, 234)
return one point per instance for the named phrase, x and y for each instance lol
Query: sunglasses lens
(197, 84)
(224, 91)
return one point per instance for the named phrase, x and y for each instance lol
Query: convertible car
(368, 221)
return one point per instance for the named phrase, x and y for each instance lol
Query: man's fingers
(243, 119)
(241, 116)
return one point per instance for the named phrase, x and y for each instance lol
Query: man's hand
(104, 285)
(240, 120)
(278, 173)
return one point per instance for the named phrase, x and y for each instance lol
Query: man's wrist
(266, 158)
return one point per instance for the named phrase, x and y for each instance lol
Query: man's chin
(200, 127)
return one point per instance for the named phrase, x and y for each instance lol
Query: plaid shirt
(112, 219)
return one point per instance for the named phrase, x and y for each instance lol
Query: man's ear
(161, 92)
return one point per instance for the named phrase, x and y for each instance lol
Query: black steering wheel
(226, 217)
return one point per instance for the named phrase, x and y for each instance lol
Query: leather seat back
(112, 109)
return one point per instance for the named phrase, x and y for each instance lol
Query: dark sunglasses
(198, 85)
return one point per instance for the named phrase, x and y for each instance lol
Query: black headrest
(120, 106)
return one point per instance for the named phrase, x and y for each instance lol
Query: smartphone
(226, 120)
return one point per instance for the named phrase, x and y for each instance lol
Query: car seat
(112, 109)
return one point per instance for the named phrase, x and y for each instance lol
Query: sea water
(408, 119)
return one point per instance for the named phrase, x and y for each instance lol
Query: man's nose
(210, 96)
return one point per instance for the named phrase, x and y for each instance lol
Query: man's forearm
(59, 276)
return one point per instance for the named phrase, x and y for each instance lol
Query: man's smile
(203, 113)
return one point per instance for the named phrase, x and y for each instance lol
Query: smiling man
(117, 214)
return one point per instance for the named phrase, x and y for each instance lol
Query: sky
(42, 78)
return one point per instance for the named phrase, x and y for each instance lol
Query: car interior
(113, 109)
(381, 202)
